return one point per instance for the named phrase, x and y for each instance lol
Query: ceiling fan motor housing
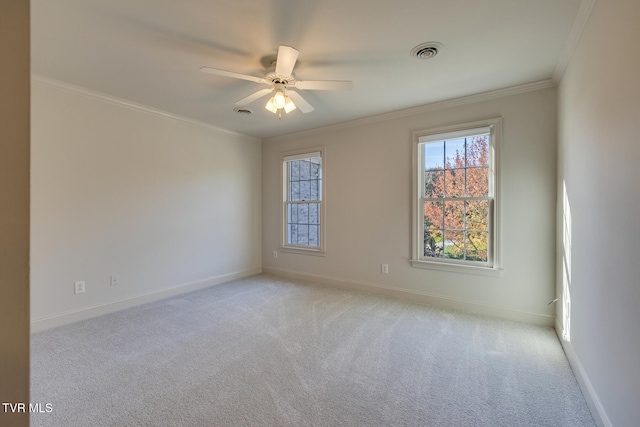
(272, 77)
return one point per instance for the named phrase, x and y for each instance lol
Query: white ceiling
(150, 52)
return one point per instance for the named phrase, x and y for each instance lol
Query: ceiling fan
(282, 81)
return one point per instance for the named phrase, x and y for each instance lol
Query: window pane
(455, 153)
(454, 244)
(305, 190)
(434, 184)
(477, 215)
(314, 172)
(303, 213)
(294, 191)
(454, 183)
(292, 236)
(294, 171)
(304, 169)
(314, 235)
(432, 243)
(477, 245)
(303, 235)
(454, 215)
(478, 150)
(292, 214)
(314, 215)
(434, 155)
(433, 215)
(477, 182)
(314, 190)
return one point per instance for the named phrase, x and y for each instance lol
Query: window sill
(303, 251)
(457, 268)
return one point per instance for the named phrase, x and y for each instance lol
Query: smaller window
(455, 196)
(303, 201)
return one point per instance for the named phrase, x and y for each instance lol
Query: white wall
(14, 208)
(599, 151)
(162, 202)
(368, 202)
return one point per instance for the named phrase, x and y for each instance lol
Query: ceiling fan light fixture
(289, 106)
(279, 99)
(271, 106)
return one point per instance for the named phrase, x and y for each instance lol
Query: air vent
(426, 50)
(243, 111)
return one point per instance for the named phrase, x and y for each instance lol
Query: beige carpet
(267, 351)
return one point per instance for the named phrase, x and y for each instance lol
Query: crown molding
(584, 12)
(439, 105)
(89, 93)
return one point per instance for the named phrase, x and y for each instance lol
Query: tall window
(303, 206)
(454, 218)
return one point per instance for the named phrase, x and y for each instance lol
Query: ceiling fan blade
(287, 57)
(232, 74)
(324, 85)
(300, 102)
(256, 95)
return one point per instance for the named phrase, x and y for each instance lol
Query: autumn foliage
(456, 199)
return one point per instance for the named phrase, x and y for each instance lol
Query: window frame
(491, 126)
(284, 186)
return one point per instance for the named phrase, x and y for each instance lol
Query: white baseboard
(112, 306)
(589, 393)
(422, 297)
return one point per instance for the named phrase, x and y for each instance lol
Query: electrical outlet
(275, 254)
(114, 280)
(78, 287)
(385, 268)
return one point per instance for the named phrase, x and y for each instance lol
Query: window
(303, 205)
(455, 196)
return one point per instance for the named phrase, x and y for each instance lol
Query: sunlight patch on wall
(566, 265)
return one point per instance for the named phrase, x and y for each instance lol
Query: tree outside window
(456, 198)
